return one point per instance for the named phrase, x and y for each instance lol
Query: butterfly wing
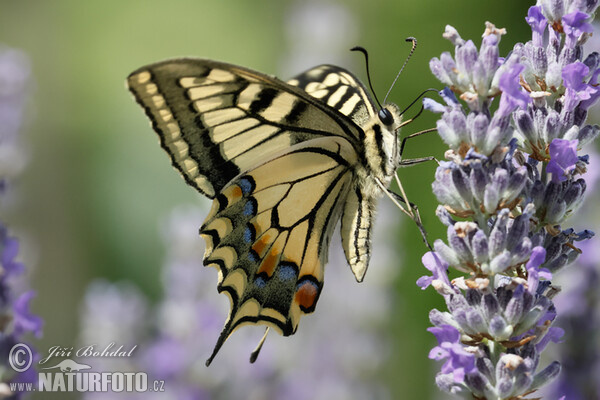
(269, 229)
(341, 90)
(216, 120)
(279, 163)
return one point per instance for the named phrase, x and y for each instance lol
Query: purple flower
(24, 320)
(575, 24)
(538, 23)
(167, 358)
(459, 362)
(451, 34)
(594, 96)
(513, 95)
(576, 89)
(554, 334)
(9, 249)
(494, 199)
(563, 157)
(14, 305)
(433, 106)
(449, 97)
(466, 57)
(437, 266)
(534, 273)
(579, 314)
(175, 337)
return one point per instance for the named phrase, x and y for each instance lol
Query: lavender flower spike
(17, 319)
(512, 179)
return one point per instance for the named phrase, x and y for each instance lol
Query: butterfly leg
(411, 210)
(416, 217)
(413, 136)
(413, 161)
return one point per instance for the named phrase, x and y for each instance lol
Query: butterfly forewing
(339, 89)
(217, 120)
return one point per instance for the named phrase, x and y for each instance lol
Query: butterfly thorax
(382, 154)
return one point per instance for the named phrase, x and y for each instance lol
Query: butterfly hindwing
(216, 120)
(268, 234)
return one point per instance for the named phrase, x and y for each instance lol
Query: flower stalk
(513, 175)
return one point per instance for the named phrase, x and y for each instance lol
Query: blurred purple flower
(563, 158)
(189, 318)
(15, 314)
(9, 249)
(24, 320)
(554, 334)
(578, 309)
(14, 81)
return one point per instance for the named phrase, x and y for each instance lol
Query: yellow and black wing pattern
(279, 161)
(338, 88)
(216, 120)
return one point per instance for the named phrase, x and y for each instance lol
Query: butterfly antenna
(417, 99)
(412, 50)
(364, 51)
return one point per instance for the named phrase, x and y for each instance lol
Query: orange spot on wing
(306, 295)
(264, 242)
(236, 193)
(270, 262)
(260, 244)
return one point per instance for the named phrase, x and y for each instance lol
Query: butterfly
(283, 162)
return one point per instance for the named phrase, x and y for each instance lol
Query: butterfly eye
(385, 116)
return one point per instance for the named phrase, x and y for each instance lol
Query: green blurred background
(97, 183)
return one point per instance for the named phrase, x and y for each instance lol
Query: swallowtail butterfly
(283, 162)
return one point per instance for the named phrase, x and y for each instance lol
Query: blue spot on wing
(246, 184)
(249, 207)
(248, 235)
(252, 256)
(260, 282)
(287, 272)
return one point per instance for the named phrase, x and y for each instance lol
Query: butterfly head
(381, 144)
(385, 116)
(389, 115)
